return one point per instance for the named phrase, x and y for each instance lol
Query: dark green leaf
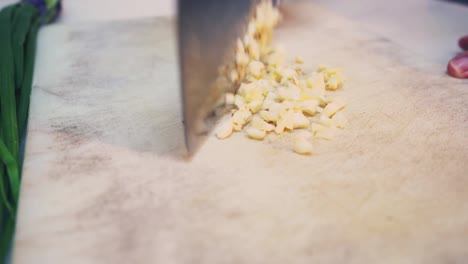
(12, 170)
(7, 237)
(21, 24)
(25, 95)
(7, 90)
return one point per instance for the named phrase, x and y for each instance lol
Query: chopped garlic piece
(276, 58)
(234, 75)
(311, 94)
(299, 60)
(328, 100)
(239, 101)
(292, 92)
(259, 123)
(254, 50)
(271, 96)
(289, 105)
(334, 71)
(309, 107)
(237, 127)
(302, 84)
(302, 145)
(287, 119)
(272, 81)
(255, 106)
(316, 81)
(245, 88)
(317, 128)
(334, 78)
(279, 129)
(326, 134)
(242, 59)
(325, 120)
(255, 133)
(241, 117)
(269, 100)
(288, 73)
(339, 120)
(276, 108)
(267, 104)
(300, 121)
(256, 69)
(285, 74)
(333, 83)
(229, 99)
(304, 133)
(269, 116)
(253, 91)
(224, 130)
(334, 107)
(322, 68)
(251, 28)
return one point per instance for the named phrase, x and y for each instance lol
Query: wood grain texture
(105, 182)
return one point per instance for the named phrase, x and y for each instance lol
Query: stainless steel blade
(207, 31)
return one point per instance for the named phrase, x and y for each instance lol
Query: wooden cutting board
(105, 181)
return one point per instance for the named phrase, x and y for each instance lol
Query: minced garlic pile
(274, 95)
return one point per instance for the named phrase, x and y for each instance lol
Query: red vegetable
(463, 42)
(458, 66)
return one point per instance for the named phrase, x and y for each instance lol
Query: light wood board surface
(104, 181)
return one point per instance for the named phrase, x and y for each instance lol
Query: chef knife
(207, 32)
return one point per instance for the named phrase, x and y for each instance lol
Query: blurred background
(427, 24)
(85, 10)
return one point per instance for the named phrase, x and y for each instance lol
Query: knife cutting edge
(207, 32)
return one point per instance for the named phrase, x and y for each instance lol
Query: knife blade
(207, 32)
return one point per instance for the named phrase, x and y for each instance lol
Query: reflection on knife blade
(207, 30)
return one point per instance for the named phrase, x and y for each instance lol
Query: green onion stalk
(19, 25)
